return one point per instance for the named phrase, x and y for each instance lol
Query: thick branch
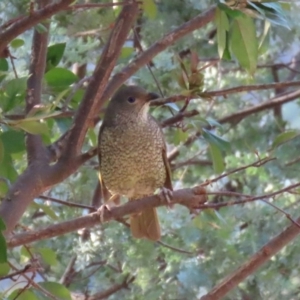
(34, 144)
(31, 20)
(256, 261)
(187, 197)
(97, 85)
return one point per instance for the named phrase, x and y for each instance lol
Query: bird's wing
(105, 194)
(168, 181)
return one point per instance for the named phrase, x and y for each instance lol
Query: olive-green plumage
(132, 155)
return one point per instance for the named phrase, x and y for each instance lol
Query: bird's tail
(145, 225)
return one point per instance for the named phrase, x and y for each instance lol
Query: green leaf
(14, 93)
(1, 151)
(17, 43)
(48, 256)
(3, 249)
(3, 188)
(4, 269)
(126, 52)
(57, 290)
(243, 42)
(180, 136)
(150, 8)
(13, 141)
(60, 79)
(2, 225)
(40, 28)
(54, 55)
(92, 137)
(263, 36)
(33, 127)
(233, 13)
(217, 158)
(222, 26)
(48, 211)
(3, 68)
(284, 137)
(214, 139)
(7, 169)
(3, 65)
(25, 254)
(22, 294)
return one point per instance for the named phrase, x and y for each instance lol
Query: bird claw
(166, 195)
(113, 200)
(101, 211)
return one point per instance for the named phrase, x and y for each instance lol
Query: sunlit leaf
(244, 43)
(180, 136)
(22, 294)
(222, 26)
(48, 256)
(33, 127)
(17, 43)
(217, 158)
(4, 269)
(126, 52)
(150, 8)
(40, 28)
(92, 137)
(57, 290)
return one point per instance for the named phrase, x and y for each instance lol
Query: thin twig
(174, 248)
(67, 203)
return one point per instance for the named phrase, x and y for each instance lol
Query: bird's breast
(131, 159)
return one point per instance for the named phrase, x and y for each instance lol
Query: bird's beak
(152, 96)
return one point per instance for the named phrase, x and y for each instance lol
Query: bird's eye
(131, 99)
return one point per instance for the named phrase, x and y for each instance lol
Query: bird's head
(132, 101)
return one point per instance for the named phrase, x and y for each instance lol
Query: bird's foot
(101, 211)
(110, 203)
(166, 195)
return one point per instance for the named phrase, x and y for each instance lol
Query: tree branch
(187, 197)
(276, 101)
(254, 87)
(35, 149)
(29, 21)
(112, 290)
(256, 261)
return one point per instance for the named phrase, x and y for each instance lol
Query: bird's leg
(166, 195)
(112, 201)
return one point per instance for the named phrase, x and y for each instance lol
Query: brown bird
(132, 155)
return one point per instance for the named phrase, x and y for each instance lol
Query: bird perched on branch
(132, 155)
